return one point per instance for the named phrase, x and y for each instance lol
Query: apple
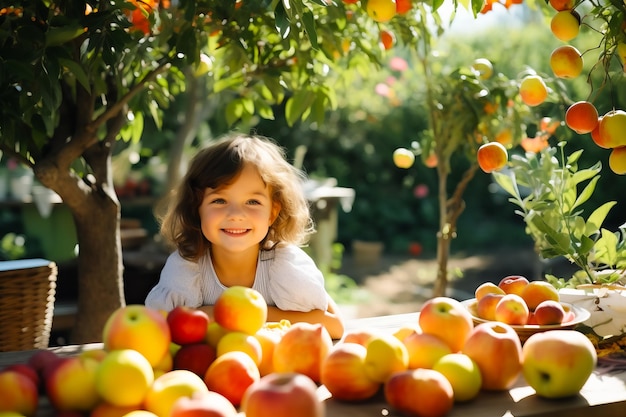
(497, 350)
(231, 374)
(71, 384)
(214, 333)
(385, 354)
(566, 62)
(420, 392)
(124, 377)
(487, 288)
(424, 350)
(240, 309)
(283, 395)
(447, 319)
(302, 349)
(268, 339)
(611, 129)
(18, 393)
(40, 360)
(358, 336)
(463, 373)
(140, 328)
(26, 369)
(187, 325)
(557, 363)
(533, 90)
(406, 330)
(242, 342)
(381, 10)
(203, 404)
(537, 291)
(549, 312)
(513, 284)
(565, 24)
(344, 374)
(486, 306)
(169, 387)
(104, 409)
(492, 156)
(512, 309)
(195, 357)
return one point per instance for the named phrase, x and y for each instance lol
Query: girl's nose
(235, 211)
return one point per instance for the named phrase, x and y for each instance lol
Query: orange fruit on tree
(492, 156)
(565, 25)
(617, 160)
(612, 132)
(566, 62)
(387, 39)
(381, 10)
(559, 5)
(595, 134)
(403, 6)
(533, 90)
(582, 117)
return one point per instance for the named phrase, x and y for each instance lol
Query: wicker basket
(27, 291)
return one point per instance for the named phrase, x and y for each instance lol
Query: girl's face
(237, 216)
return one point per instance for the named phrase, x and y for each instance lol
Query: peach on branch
(566, 62)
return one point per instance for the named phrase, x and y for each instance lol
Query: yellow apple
(344, 374)
(385, 354)
(463, 374)
(169, 387)
(612, 129)
(565, 24)
(124, 377)
(483, 68)
(381, 10)
(533, 90)
(242, 342)
(424, 350)
(617, 160)
(140, 328)
(240, 309)
(566, 62)
(557, 363)
(487, 288)
(71, 385)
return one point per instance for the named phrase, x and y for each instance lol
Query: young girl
(238, 219)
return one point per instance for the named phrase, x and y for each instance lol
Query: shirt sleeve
(296, 284)
(179, 285)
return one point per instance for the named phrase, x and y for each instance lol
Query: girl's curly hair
(218, 164)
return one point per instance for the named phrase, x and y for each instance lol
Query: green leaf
(297, 105)
(282, 21)
(595, 220)
(234, 111)
(573, 157)
(586, 193)
(605, 248)
(56, 36)
(309, 27)
(137, 127)
(507, 183)
(75, 69)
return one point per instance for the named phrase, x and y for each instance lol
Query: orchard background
(95, 95)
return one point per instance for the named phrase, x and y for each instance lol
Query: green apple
(463, 373)
(557, 363)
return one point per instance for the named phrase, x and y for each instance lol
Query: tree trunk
(443, 235)
(100, 266)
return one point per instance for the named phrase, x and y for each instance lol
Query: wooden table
(604, 393)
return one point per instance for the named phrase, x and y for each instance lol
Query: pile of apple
(515, 300)
(182, 363)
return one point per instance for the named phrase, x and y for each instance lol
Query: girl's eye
(254, 202)
(218, 201)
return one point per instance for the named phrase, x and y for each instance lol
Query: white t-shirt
(286, 276)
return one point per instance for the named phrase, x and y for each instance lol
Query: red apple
(513, 284)
(18, 393)
(283, 395)
(420, 392)
(549, 312)
(203, 404)
(344, 375)
(195, 357)
(497, 350)
(39, 361)
(512, 309)
(447, 319)
(187, 325)
(302, 349)
(231, 374)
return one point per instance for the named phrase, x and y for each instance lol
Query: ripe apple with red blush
(203, 404)
(187, 325)
(513, 284)
(283, 394)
